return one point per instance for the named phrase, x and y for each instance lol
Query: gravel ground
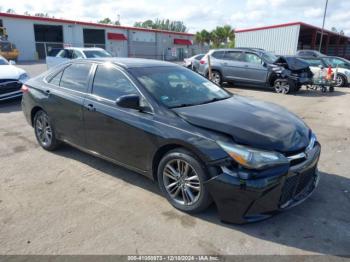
(69, 202)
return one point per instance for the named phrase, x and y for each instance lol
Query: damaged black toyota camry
(200, 143)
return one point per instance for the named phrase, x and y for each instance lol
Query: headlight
(23, 77)
(252, 158)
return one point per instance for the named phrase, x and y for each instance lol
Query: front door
(113, 131)
(255, 72)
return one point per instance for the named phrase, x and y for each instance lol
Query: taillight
(24, 89)
(202, 62)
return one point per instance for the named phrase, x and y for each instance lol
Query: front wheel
(340, 81)
(181, 177)
(284, 86)
(44, 132)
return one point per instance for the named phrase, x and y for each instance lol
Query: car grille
(296, 186)
(9, 85)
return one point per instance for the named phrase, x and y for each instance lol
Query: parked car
(11, 79)
(196, 140)
(309, 53)
(248, 66)
(56, 57)
(342, 68)
(193, 62)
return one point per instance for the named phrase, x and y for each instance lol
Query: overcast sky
(196, 14)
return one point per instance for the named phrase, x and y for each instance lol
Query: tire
(176, 188)
(284, 86)
(340, 81)
(216, 77)
(44, 132)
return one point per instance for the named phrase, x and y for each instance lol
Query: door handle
(246, 66)
(225, 64)
(91, 107)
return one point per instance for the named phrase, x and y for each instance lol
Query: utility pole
(324, 19)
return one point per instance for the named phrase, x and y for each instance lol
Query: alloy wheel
(339, 81)
(181, 182)
(43, 129)
(216, 78)
(282, 87)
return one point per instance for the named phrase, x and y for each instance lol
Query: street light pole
(324, 19)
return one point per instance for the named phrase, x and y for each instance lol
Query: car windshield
(3, 61)
(178, 87)
(96, 53)
(269, 57)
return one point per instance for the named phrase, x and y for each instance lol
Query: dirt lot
(69, 202)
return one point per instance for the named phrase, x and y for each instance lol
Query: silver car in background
(246, 66)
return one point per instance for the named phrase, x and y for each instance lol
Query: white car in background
(193, 62)
(11, 79)
(340, 67)
(59, 56)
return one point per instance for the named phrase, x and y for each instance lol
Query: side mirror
(129, 101)
(11, 62)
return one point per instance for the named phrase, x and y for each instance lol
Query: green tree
(164, 24)
(105, 21)
(41, 14)
(202, 37)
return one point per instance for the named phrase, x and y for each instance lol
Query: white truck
(61, 55)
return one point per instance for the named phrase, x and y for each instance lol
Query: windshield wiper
(201, 103)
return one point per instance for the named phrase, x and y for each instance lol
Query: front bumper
(242, 201)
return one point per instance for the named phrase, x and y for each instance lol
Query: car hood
(10, 72)
(251, 122)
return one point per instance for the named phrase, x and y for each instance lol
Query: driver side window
(110, 83)
(252, 58)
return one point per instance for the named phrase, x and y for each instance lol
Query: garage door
(94, 38)
(46, 38)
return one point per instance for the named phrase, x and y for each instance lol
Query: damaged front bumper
(249, 200)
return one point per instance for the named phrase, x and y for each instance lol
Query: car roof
(129, 62)
(256, 50)
(83, 48)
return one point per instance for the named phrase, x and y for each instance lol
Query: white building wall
(21, 33)
(148, 44)
(281, 40)
(116, 47)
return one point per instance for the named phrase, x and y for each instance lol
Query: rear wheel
(216, 77)
(181, 177)
(44, 132)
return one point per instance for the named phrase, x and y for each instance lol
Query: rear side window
(56, 79)
(233, 55)
(110, 83)
(75, 77)
(199, 57)
(218, 54)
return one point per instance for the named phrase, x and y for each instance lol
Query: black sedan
(199, 142)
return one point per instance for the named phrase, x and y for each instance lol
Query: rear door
(115, 132)
(65, 101)
(255, 72)
(232, 65)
